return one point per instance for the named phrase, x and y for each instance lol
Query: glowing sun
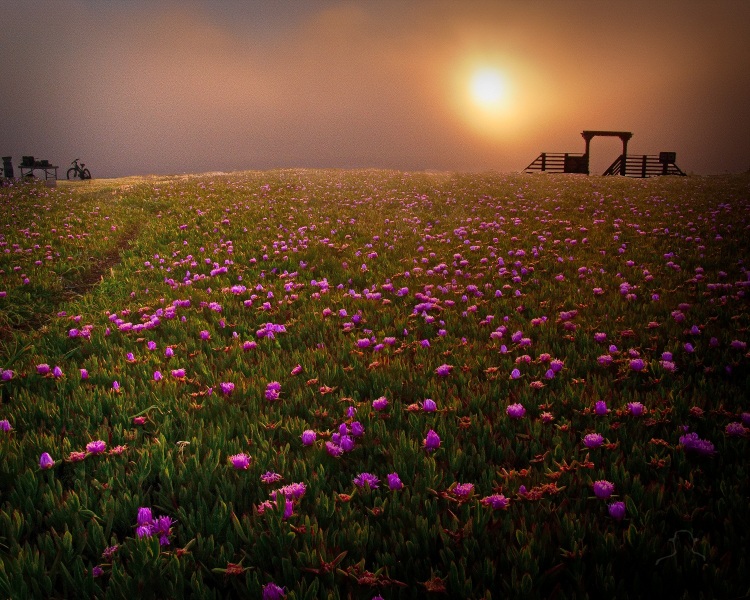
(487, 88)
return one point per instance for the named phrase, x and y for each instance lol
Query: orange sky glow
(155, 87)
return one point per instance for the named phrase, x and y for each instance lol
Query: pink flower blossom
(240, 461)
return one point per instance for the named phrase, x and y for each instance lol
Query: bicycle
(78, 170)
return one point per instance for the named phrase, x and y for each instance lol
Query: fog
(141, 87)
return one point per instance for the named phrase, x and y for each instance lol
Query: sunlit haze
(487, 87)
(140, 87)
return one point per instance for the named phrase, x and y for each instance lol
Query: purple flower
(444, 370)
(270, 477)
(637, 364)
(463, 490)
(6, 375)
(605, 360)
(429, 405)
(363, 343)
(636, 408)
(515, 411)
(347, 443)
(496, 501)
(333, 449)
(380, 403)
(205, 335)
(273, 391)
(84, 374)
(157, 375)
(45, 461)
(603, 488)
(668, 366)
(308, 437)
(515, 374)
(271, 591)
(226, 387)
(5, 425)
(57, 372)
(600, 408)
(96, 447)
(293, 491)
(738, 345)
(432, 441)
(240, 461)
(600, 338)
(42, 369)
(357, 429)
(297, 370)
(689, 348)
(109, 552)
(178, 373)
(97, 571)
(145, 516)
(593, 440)
(692, 443)
(116, 386)
(735, 429)
(394, 482)
(143, 531)
(169, 353)
(368, 479)
(617, 511)
(151, 345)
(162, 525)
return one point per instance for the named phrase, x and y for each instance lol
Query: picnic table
(29, 165)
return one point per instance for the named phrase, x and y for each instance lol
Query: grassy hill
(345, 384)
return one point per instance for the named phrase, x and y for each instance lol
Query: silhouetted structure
(8, 166)
(628, 165)
(29, 165)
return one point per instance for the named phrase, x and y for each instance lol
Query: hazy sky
(150, 86)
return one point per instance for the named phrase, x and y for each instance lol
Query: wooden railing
(558, 162)
(642, 165)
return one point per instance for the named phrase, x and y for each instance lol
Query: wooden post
(643, 166)
(544, 161)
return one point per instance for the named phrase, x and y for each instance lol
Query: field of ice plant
(361, 384)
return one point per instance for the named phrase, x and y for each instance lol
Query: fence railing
(559, 162)
(642, 165)
(632, 165)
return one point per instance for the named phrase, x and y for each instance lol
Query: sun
(487, 88)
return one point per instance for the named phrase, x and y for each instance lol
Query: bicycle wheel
(86, 174)
(71, 173)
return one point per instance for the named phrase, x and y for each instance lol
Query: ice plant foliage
(579, 344)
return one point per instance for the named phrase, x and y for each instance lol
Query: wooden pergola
(624, 136)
